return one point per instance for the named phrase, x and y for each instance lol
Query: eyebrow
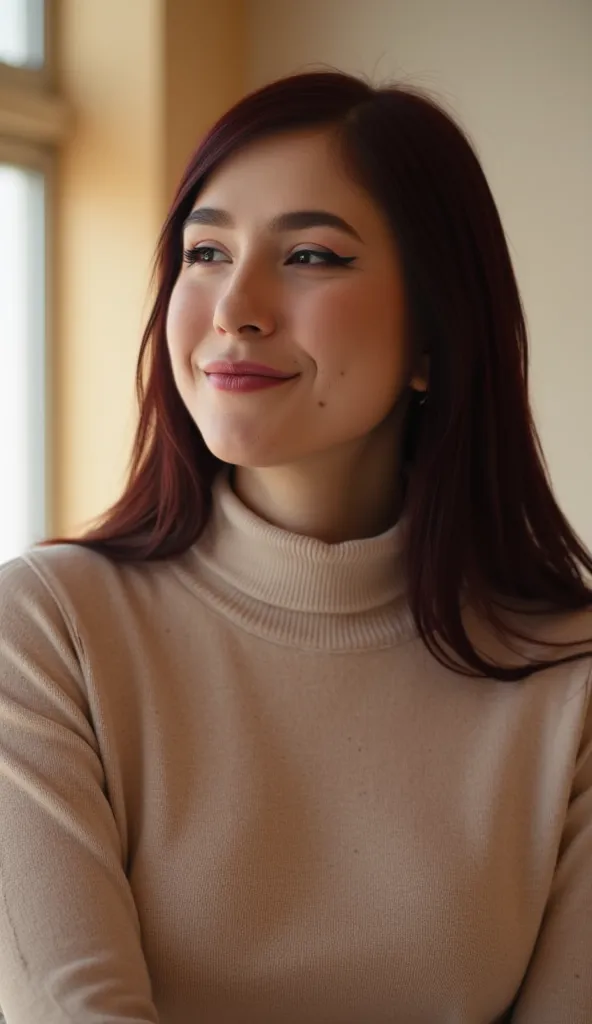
(296, 220)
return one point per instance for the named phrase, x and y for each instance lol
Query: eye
(319, 257)
(204, 254)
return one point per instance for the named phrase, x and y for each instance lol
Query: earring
(423, 399)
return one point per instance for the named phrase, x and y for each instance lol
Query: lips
(246, 369)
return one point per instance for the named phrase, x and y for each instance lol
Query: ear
(421, 378)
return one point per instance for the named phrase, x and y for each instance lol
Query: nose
(245, 307)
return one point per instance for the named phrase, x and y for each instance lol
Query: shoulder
(66, 604)
(522, 635)
(94, 595)
(522, 629)
(36, 591)
(67, 582)
(45, 577)
(25, 581)
(566, 632)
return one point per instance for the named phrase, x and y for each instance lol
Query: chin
(244, 456)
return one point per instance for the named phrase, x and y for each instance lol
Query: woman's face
(288, 264)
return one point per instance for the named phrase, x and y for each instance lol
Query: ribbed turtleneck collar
(296, 589)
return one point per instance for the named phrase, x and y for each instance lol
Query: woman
(301, 731)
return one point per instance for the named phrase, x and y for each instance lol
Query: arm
(557, 988)
(70, 947)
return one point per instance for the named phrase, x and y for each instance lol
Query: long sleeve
(70, 945)
(557, 988)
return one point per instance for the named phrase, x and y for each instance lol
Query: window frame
(30, 107)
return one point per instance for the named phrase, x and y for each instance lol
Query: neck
(351, 493)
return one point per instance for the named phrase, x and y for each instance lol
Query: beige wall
(144, 79)
(109, 202)
(205, 71)
(519, 74)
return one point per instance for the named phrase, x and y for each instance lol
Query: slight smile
(244, 376)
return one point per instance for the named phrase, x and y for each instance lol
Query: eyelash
(327, 257)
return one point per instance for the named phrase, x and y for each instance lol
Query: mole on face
(322, 405)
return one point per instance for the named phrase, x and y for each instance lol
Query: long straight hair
(482, 516)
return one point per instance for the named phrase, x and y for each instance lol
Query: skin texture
(320, 454)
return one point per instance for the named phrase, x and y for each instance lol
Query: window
(22, 357)
(32, 123)
(22, 33)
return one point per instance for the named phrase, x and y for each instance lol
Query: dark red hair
(483, 519)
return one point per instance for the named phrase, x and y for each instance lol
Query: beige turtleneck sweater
(235, 787)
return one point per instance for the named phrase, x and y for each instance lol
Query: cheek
(357, 328)
(187, 321)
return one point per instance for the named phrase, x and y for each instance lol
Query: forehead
(295, 170)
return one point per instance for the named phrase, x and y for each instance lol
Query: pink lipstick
(245, 376)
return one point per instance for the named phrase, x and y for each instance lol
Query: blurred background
(101, 103)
